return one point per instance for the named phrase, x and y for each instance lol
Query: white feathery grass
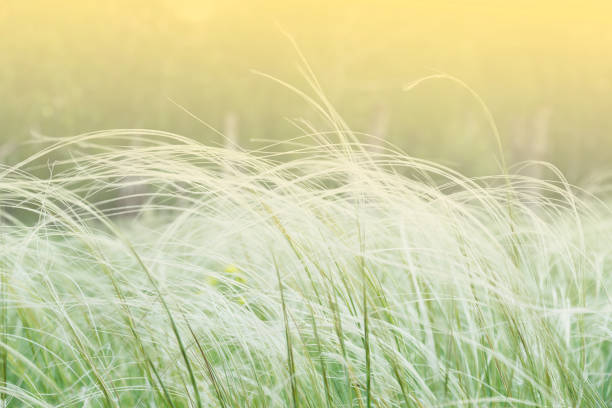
(320, 276)
(479, 292)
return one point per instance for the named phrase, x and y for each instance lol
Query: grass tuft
(170, 273)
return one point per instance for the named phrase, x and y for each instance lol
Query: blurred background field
(544, 70)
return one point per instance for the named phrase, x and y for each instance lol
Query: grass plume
(170, 273)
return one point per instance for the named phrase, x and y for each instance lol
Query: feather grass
(335, 277)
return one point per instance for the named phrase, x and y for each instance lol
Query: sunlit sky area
(543, 68)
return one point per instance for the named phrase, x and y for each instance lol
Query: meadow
(171, 273)
(305, 204)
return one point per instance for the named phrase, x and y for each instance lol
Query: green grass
(169, 273)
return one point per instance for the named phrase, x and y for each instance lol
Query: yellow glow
(73, 66)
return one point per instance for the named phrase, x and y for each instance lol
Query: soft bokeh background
(544, 69)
